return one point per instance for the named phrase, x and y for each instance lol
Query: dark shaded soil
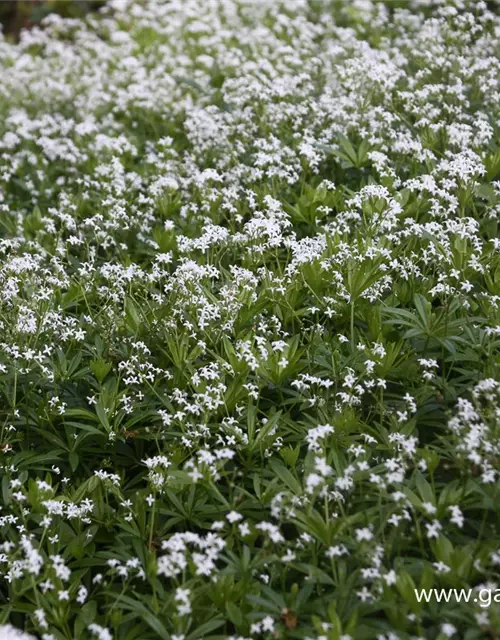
(24, 14)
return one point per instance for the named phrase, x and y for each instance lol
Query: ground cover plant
(249, 321)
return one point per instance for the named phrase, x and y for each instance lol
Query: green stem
(353, 342)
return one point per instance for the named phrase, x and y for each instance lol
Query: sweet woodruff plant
(249, 321)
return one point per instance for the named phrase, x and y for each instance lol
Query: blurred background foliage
(24, 14)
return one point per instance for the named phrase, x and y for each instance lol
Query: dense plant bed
(249, 321)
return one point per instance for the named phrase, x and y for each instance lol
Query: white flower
(8, 632)
(289, 556)
(182, 600)
(433, 529)
(441, 567)
(456, 516)
(448, 629)
(267, 624)
(101, 632)
(234, 516)
(390, 577)
(82, 594)
(429, 508)
(363, 534)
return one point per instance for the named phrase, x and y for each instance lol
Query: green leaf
(424, 488)
(132, 315)
(289, 455)
(74, 460)
(101, 414)
(203, 630)
(287, 478)
(234, 614)
(100, 368)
